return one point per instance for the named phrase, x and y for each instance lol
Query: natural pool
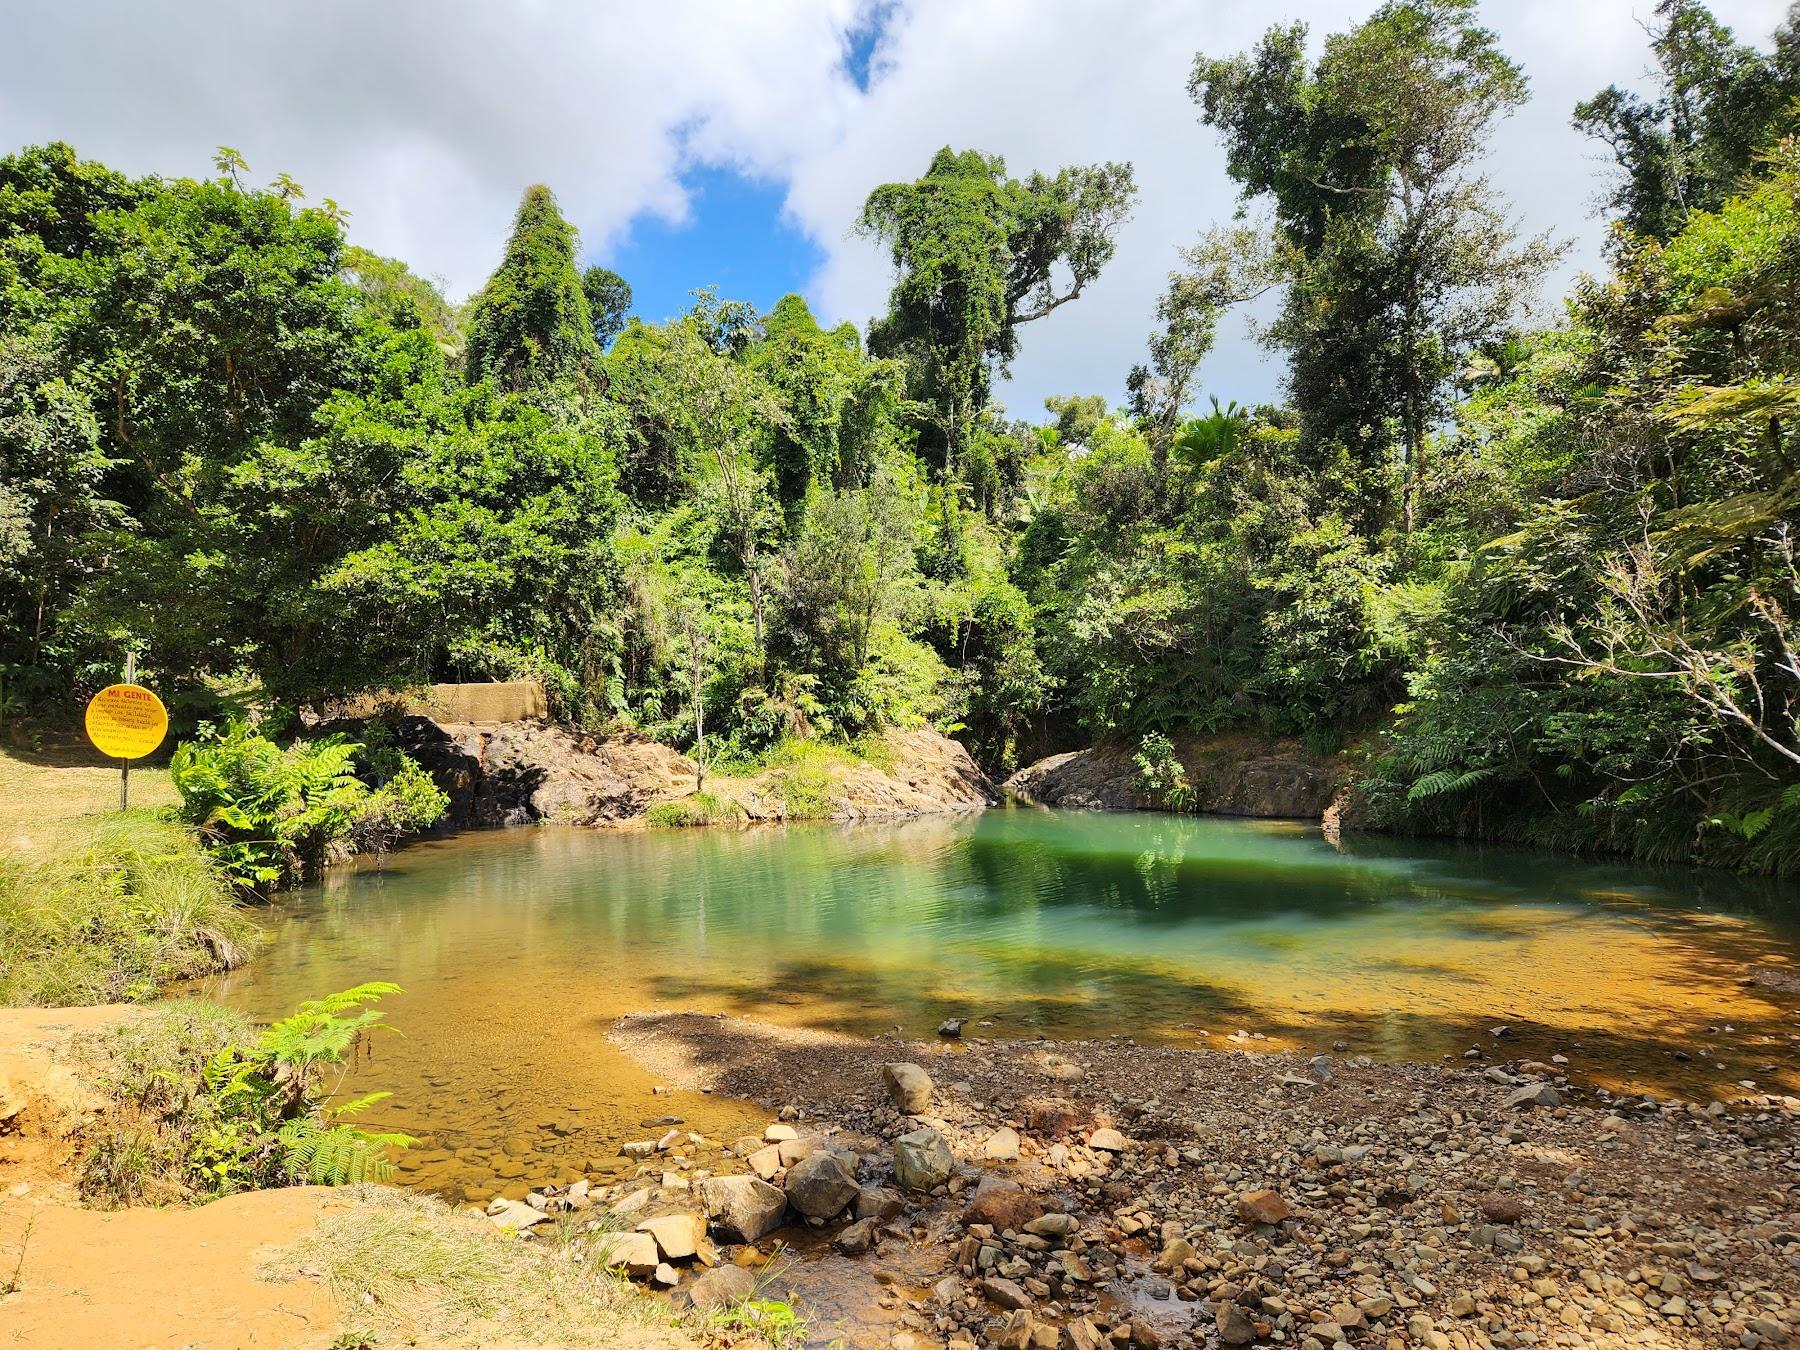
(517, 950)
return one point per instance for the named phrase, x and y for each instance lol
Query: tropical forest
(855, 859)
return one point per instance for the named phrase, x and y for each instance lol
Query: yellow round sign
(126, 721)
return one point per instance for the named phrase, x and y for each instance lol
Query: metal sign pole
(125, 764)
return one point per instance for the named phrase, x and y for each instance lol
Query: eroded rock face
(520, 773)
(1232, 776)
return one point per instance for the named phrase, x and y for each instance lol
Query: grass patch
(112, 908)
(807, 776)
(698, 808)
(405, 1269)
(137, 1152)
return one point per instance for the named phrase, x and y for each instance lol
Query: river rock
(721, 1287)
(878, 1202)
(635, 1251)
(1262, 1207)
(1235, 1326)
(1002, 1145)
(766, 1162)
(1004, 1293)
(908, 1086)
(744, 1209)
(515, 1215)
(1535, 1094)
(857, 1238)
(678, 1236)
(1003, 1204)
(922, 1160)
(1107, 1140)
(820, 1186)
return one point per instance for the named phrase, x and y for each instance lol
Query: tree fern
(1446, 781)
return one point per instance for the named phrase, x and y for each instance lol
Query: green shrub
(135, 908)
(699, 808)
(807, 775)
(1161, 775)
(272, 816)
(206, 1108)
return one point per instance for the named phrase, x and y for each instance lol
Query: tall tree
(530, 327)
(1400, 258)
(609, 302)
(1717, 105)
(976, 255)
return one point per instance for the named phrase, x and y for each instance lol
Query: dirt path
(159, 1278)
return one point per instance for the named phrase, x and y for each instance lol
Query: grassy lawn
(99, 905)
(53, 800)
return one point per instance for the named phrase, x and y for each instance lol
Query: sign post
(126, 722)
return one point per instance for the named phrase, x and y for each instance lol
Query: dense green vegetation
(116, 913)
(204, 1106)
(1542, 577)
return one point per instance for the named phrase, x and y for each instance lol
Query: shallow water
(517, 950)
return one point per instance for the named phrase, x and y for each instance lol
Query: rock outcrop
(521, 773)
(1234, 776)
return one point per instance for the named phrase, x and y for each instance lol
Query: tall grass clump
(697, 808)
(114, 913)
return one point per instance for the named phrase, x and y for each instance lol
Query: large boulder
(922, 1160)
(819, 1186)
(908, 1086)
(1231, 775)
(636, 1252)
(743, 1209)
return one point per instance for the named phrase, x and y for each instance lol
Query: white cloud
(426, 117)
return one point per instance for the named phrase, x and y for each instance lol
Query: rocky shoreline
(1231, 776)
(1104, 1194)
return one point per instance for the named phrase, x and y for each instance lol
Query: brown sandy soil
(148, 1277)
(143, 1277)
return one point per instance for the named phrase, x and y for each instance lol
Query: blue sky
(735, 237)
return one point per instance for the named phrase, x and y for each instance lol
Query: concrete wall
(500, 701)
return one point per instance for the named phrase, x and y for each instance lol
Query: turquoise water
(516, 950)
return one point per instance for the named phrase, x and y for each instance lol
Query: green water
(516, 951)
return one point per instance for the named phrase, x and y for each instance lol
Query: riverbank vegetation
(1538, 569)
(98, 906)
(202, 1105)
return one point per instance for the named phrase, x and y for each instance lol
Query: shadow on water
(518, 949)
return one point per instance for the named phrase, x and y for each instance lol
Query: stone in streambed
(857, 1238)
(1535, 1094)
(677, 1236)
(922, 1160)
(721, 1287)
(1262, 1207)
(820, 1186)
(878, 1202)
(745, 1209)
(908, 1086)
(1002, 1145)
(636, 1252)
(1003, 1204)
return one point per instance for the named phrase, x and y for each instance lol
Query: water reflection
(517, 950)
